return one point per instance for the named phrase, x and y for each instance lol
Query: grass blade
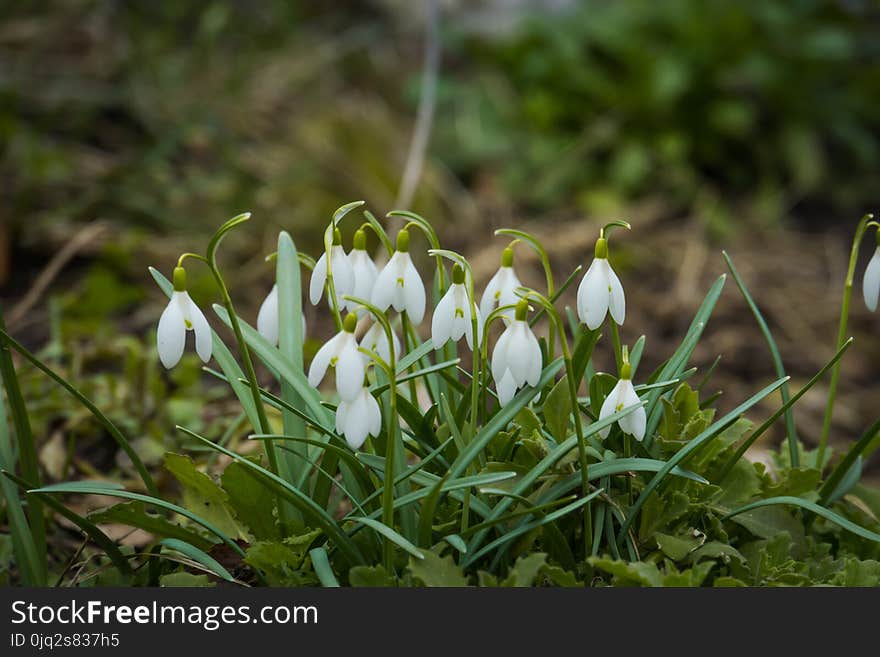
(777, 361)
(828, 514)
(390, 534)
(198, 556)
(322, 567)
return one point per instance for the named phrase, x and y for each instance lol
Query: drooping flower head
(340, 267)
(399, 284)
(622, 396)
(268, 322)
(452, 316)
(501, 289)
(358, 418)
(363, 270)
(376, 340)
(181, 315)
(871, 284)
(516, 360)
(600, 291)
(340, 352)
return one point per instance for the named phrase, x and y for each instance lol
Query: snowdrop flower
(343, 276)
(181, 315)
(516, 360)
(621, 396)
(399, 284)
(501, 290)
(452, 316)
(359, 417)
(364, 272)
(340, 352)
(268, 324)
(871, 285)
(600, 291)
(375, 340)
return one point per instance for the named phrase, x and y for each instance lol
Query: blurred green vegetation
(767, 104)
(171, 116)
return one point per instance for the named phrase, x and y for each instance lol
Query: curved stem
(841, 336)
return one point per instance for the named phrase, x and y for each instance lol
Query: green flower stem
(572, 391)
(393, 430)
(615, 336)
(27, 453)
(249, 372)
(841, 336)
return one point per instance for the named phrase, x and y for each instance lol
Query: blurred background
(130, 130)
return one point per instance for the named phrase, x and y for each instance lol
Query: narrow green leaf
(809, 506)
(391, 535)
(322, 567)
(198, 556)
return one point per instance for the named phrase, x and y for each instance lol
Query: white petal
(375, 419)
(593, 297)
(441, 322)
(609, 407)
(519, 352)
(383, 288)
(358, 420)
(343, 277)
(634, 422)
(506, 388)
(267, 318)
(414, 294)
(488, 300)
(318, 280)
(871, 285)
(365, 273)
(341, 413)
(534, 364)
(200, 327)
(500, 354)
(171, 334)
(322, 359)
(617, 300)
(349, 371)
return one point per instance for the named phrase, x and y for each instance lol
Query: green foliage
(698, 101)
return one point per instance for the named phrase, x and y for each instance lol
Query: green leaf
(525, 570)
(251, 501)
(808, 506)
(198, 556)
(557, 410)
(281, 564)
(185, 580)
(369, 576)
(639, 573)
(135, 514)
(435, 571)
(390, 534)
(678, 547)
(201, 495)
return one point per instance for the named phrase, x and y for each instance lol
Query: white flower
(622, 396)
(181, 315)
(600, 291)
(501, 289)
(343, 276)
(375, 340)
(268, 323)
(516, 360)
(452, 316)
(364, 272)
(400, 285)
(871, 285)
(340, 352)
(359, 417)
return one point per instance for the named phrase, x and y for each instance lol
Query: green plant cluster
(454, 488)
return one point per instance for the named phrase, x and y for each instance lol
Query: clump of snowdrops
(443, 435)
